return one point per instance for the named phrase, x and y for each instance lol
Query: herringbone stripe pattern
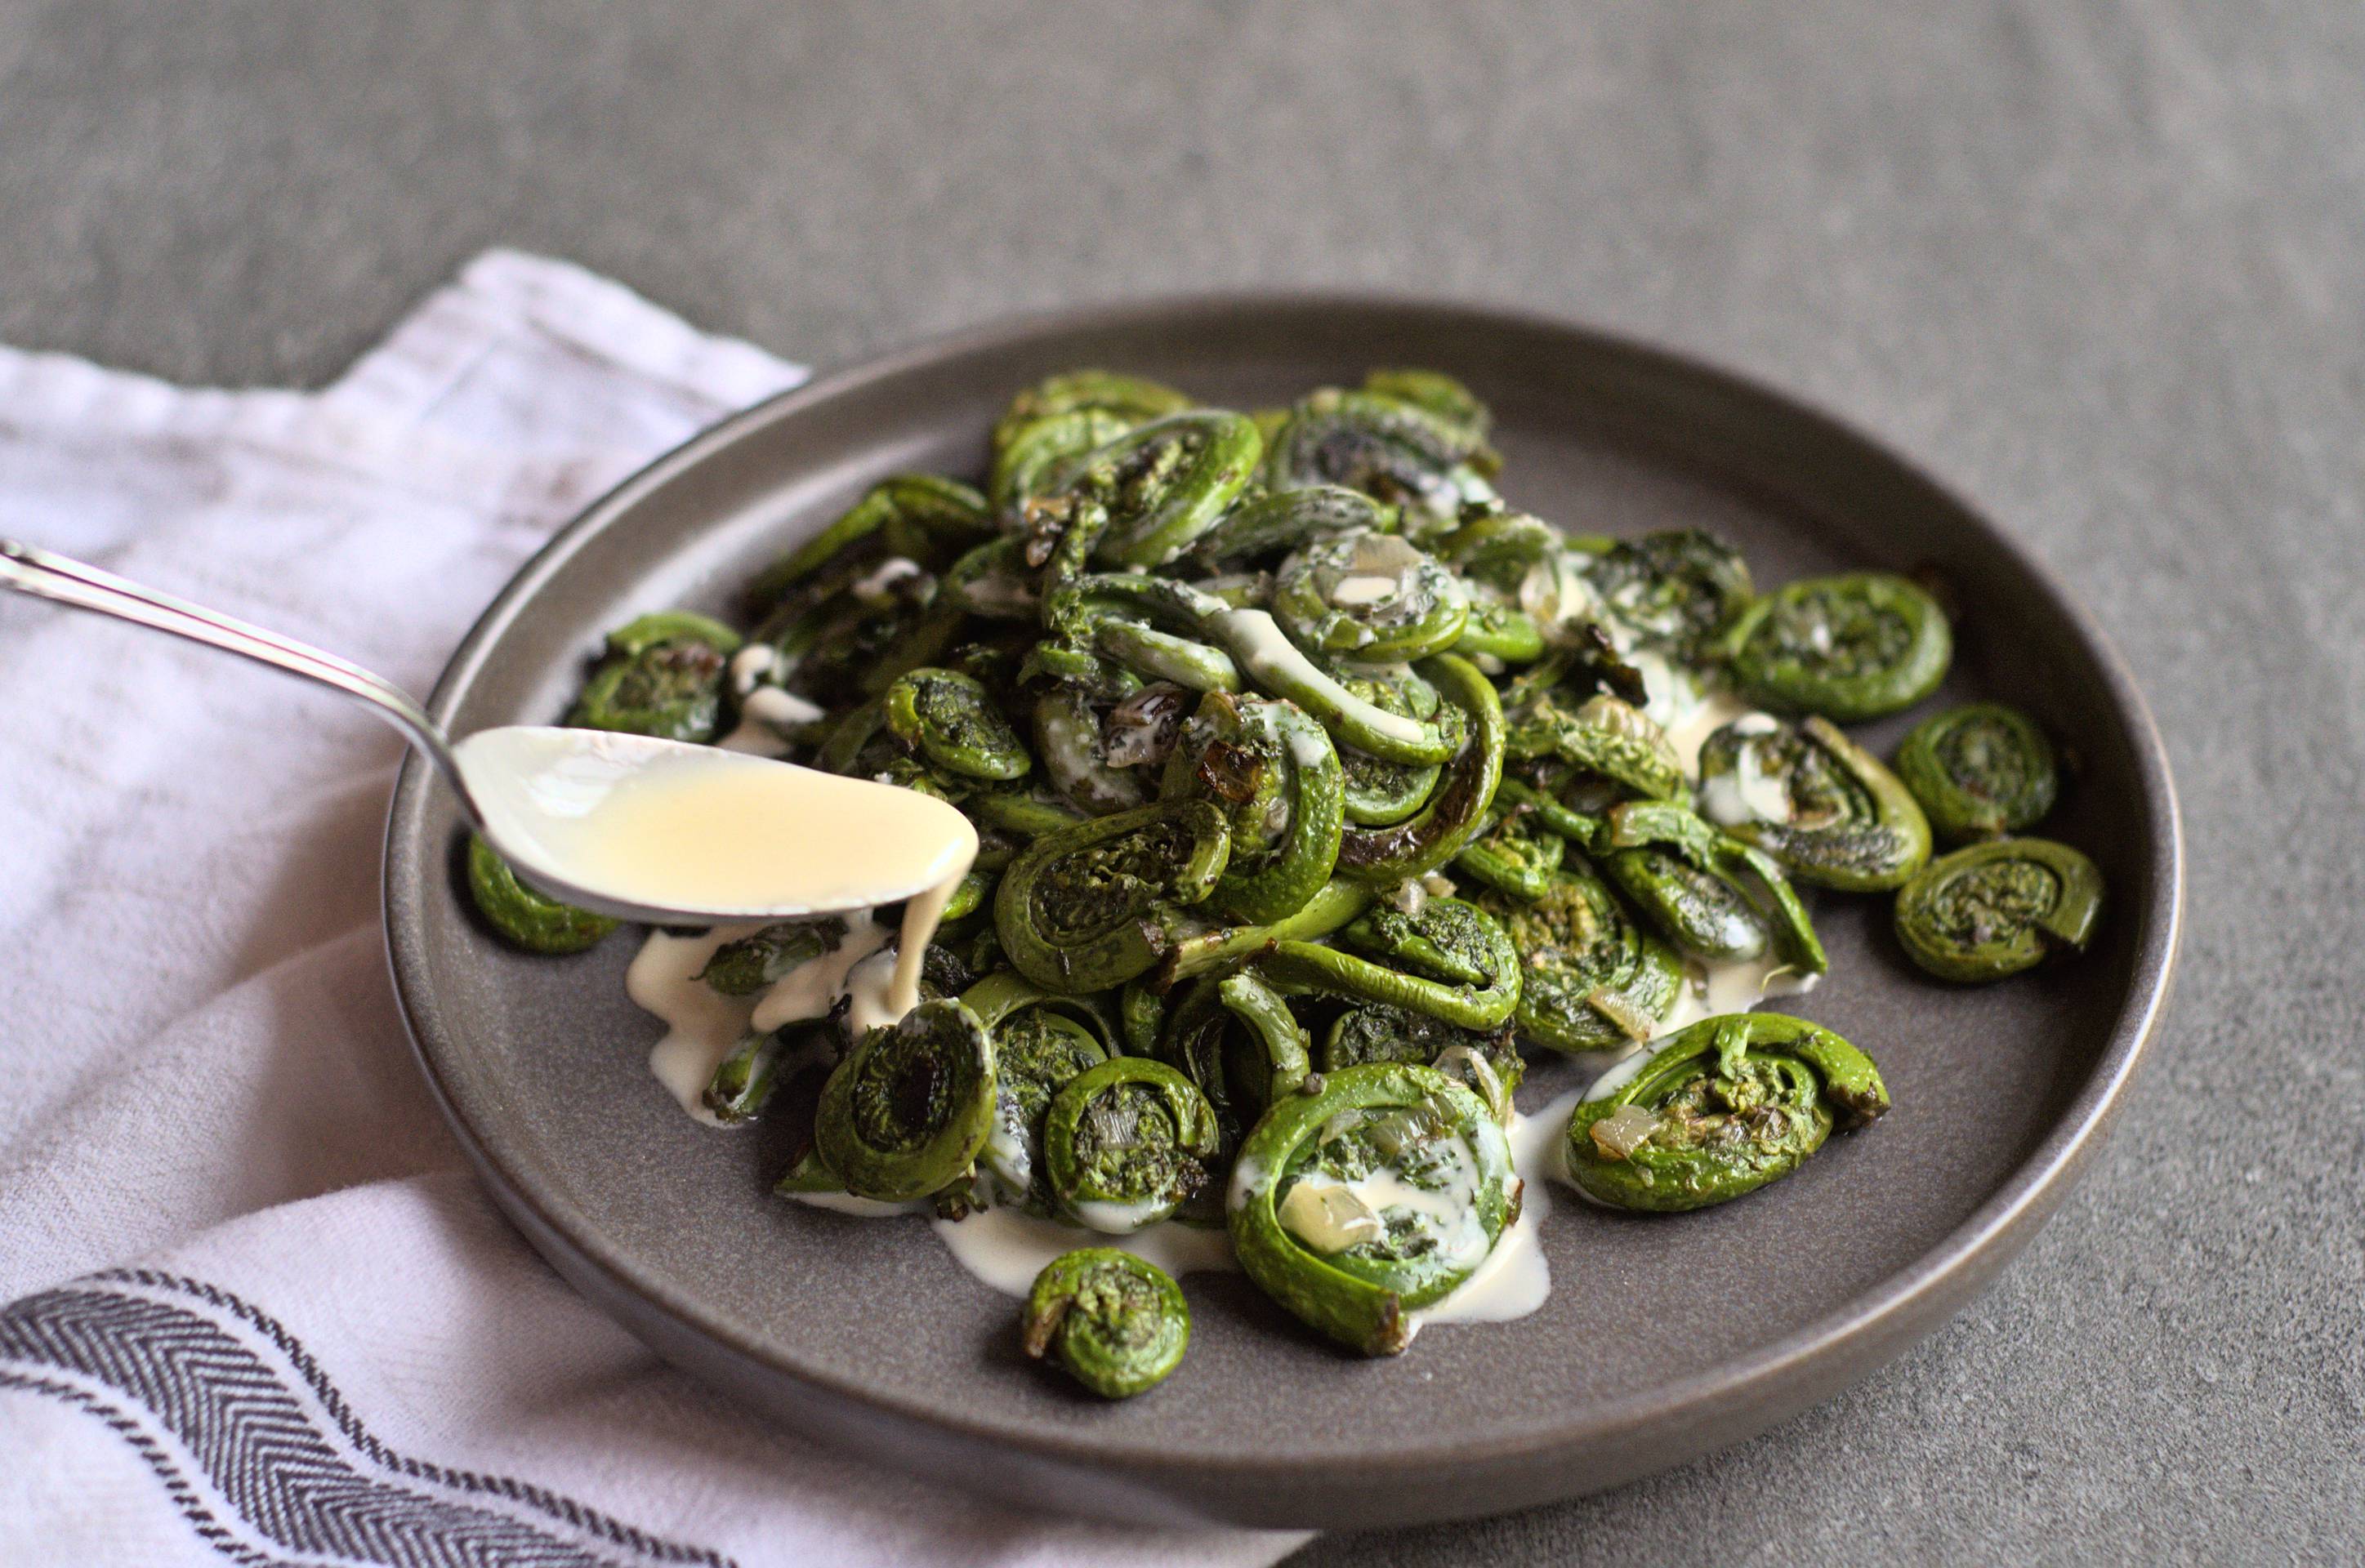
(262, 1450)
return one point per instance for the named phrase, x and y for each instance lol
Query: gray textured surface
(2101, 267)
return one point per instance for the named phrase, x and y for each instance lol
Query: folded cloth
(256, 1311)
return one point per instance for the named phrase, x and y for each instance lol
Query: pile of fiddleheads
(1314, 782)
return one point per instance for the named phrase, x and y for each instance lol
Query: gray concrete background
(2100, 265)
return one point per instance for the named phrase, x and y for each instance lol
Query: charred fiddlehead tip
(1718, 1110)
(906, 1114)
(1161, 484)
(1819, 804)
(1709, 893)
(1357, 1205)
(1127, 1142)
(2000, 907)
(1979, 770)
(1116, 1322)
(522, 917)
(663, 674)
(1850, 648)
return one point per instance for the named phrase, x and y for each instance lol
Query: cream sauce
(1276, 662)
(1006, 1248)
(702, 1026)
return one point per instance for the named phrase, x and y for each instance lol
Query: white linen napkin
(256, 1311)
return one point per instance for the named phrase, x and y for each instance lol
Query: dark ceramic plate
(1664, 1337)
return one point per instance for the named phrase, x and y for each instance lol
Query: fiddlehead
(906, 1114)
(1279, 521)
(1591, 980)
(1815, 800)
(1517, 856)
(1676, 592)
(1369, 598)
(1997, 908)
(1979, 770)
(1357, 1205)
(663, 674)
(752, 963)
(1709, 893)
(1602, 737)
(950, 720)
(1041, 1043)
(1850, 648)
(923, 519)
(1127, 1142)
(1457, 810)
(1091, 906)
(522, 917)
(1113, 1322)
(1719, 1110)
(1162, 484)
(1272, 770)
(1488, 1065)
(1396, 451)
(1452, 960)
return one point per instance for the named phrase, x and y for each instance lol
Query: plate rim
(1908, 1302)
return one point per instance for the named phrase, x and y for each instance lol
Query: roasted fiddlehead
(1815, 800)
(1127, 1142)
(1717, 1111)
(1113, 1322)
(1979, 770)
(1355, 1206)
(1095, 904)
(661, 675)
(523, 917)
(1850, 648)
(1997, 908)
(906, 1114)
(1590, 979)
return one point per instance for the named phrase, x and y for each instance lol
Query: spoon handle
(52, 577)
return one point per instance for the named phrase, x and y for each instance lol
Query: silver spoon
(529, 789)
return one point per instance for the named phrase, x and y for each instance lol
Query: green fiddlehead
(1164, 483)
(1042, 1044)
(522, 917)
(1602, 737)
(1850, 648)
(1127, 1142)
(1279, 521)
(917, 516)
(1272, 770)
(1371, 597)
(1815, 800)
(1357, 1205)
(1131, 398)
(906, 1114)
(1091, 906)
(663, 674)
(1335, 904)
(1394, 451)
(1450, 960)
(1709, 893)
(1591, 980)
(1115, 1323)
(1517, 856)
(1718, 1111)
(746, 965)
(1457, 810)
(1979, 770)
(2000, 907)
(1678, 591)
(950, 720)
(1488, 1065)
